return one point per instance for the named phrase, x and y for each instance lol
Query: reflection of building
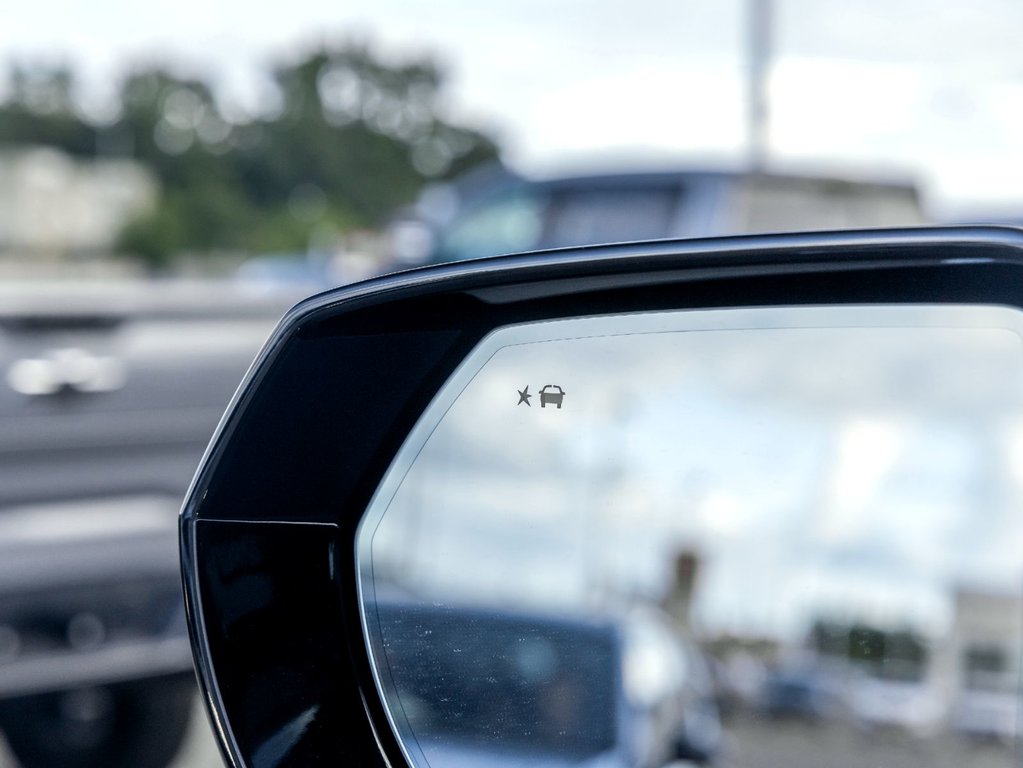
(53, 206)
(982, 649)
(978, 664)
(965, 680)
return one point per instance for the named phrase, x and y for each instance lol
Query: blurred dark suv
(492, 211)
(492, 688)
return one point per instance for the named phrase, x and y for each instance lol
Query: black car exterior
(269, 524)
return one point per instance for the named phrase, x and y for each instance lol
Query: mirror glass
(751, 537)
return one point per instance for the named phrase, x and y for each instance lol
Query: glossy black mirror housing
(268, 528)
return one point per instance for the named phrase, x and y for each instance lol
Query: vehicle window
(496, 681)
(506, 223)
(776, 536)
(588, 216)
(779, 204)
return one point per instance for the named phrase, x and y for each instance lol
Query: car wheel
(135, 725)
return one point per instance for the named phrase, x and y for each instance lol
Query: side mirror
(496, 512)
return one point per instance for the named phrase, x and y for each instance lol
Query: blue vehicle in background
(492, 211)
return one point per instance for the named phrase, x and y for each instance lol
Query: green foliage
(352, 137)
(40, 110)
(154, 236)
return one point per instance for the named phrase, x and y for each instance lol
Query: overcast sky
(927, 89)
(817, 465)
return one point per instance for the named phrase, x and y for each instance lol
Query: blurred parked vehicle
(987, 704)
(897, 697)
(987, 716)
(801, 693)
(487, 687)
(109, 396)
(491, 211)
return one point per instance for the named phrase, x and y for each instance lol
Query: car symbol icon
(552, 394)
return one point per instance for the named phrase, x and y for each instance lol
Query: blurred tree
(350, 138)
(41, 110)
(361, 130)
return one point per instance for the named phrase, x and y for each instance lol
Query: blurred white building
(53, 206)
(979, 663)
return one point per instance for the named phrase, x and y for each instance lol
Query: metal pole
(760, 23)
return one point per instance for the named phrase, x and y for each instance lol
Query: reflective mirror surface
(762, 537)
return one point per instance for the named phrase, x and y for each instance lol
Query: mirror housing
(268, 527)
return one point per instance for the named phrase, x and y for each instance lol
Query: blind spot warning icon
(552, 394)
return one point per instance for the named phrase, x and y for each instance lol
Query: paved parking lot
(752, 743)
(767, 743)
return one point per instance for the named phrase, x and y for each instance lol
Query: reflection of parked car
(552, 394)
(900, 701)
(799, 693)
(485, 687)
(987, 716)
(986, 706)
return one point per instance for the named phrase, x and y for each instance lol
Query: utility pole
(760, 14)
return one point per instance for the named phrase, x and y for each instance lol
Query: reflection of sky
(845, 473)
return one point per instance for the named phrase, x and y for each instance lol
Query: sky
(929, 91)
(805, 456)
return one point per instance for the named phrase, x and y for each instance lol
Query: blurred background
(174, 175)
(191, 138)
